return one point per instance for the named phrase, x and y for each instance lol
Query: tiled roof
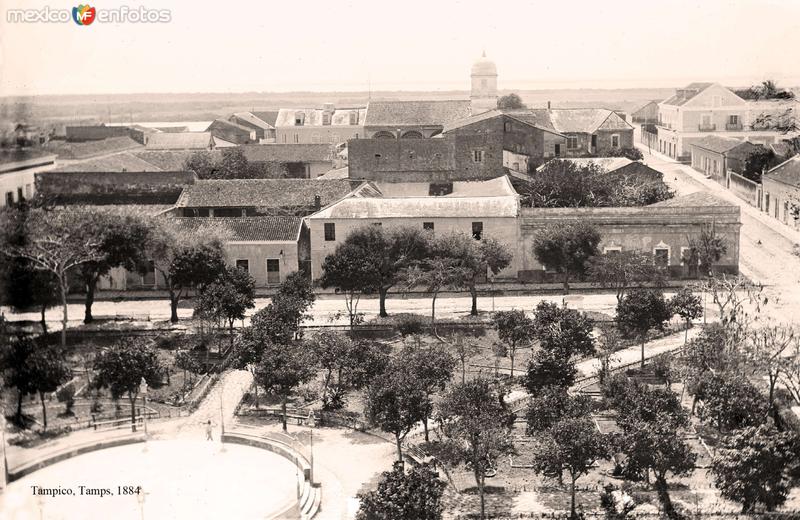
(169, 159)
(264, 193)
(583, 120)
(718, 144)
(536, 116)
(314, 116)
(85, 150)
(179, 141)
(253, 120)
(416, 113)
(268, 116)
(338, 173)
(682, 95)
(125, 161)
(698, 199)
(250, 229)
(782, 149)
(494, 198)
(489, 114)
(322, 152)
(788, 172)
(230, 131)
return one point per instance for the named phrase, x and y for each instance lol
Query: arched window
(412, 134)
(383, 134)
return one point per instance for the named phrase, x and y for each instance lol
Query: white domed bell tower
(484, 85)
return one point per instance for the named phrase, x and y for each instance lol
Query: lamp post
(143, 391)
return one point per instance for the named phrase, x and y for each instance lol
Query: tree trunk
(255, 390)
(511, 355)
(643, 342)
(663, 496)
(399, 448)
(173, 306)
(566, 282)
(473, 291)
(425, 426)
(133, 411)
(382, 301)
(65, 318)
(433, 311)
(91, 287)
(19, 407)
(463, 372)
(43, 320)
(479, 480)
(231, 331)
(572, 500)
(44, 411)
(686, 333)
(283, 411)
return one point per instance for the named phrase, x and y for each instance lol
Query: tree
(228, 297)
(202, 164)
(730, 401)
(16, 355)
(688, 306)
(122, 239)
(477, 429)
(562, 329)
(608, 342)
(282, 369)
(571, 444)
(432, 368)
(436, 273)
(706, 249)
(553, 404)
(651, 421)
(753, 467)
(187, 362)
(122, 367)
(48, 370)
(464, 349)
(477, 257)
(186, 257)
(766, 352)
(403, 496)
(395, 402)
(758, 161)
(768, 89)
(566, 247)
(515, 330)
(510, 102)
(372, 259)
(549, 367)
(624, 270)
(56, 241)
(345, 363)
(640, 311)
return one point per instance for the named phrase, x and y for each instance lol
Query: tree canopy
(416, 494)
(566, 247)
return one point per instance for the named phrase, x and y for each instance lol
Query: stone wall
(113, 187)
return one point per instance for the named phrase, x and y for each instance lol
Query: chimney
(317, 202)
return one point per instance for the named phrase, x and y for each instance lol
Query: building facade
(18, 169)
(781, 192)
(319, 125)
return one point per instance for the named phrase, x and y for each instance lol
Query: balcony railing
(706, 128)
(664, 124)
(733, 126)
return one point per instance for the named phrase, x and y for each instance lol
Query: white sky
(265, 45)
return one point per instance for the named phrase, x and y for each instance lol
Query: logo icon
(83, 14)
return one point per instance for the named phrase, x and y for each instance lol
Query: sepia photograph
(417, 260)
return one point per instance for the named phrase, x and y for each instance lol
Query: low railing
(706, 128)
(733, 126)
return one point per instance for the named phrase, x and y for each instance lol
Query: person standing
(208, 431)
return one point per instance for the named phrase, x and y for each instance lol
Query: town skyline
(347, 48)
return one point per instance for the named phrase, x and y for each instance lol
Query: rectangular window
(615, 141)
(733, 119)
(507, 126)
(427, 226)
(594, 141)
(477, 230)
(296, 138)
(273, 270)
(661, 256)
(9, 198)
(572, 143)
(28, 191)
(558, 150)
(477, 156)
(612, 250)
(19, 194)
(244, 265)
(330, 232)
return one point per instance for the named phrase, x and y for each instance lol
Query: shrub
(66, 395)
(410, 324)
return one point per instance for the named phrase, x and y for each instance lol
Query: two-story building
(716, 156)
(328, 124)
(700, 109)
(412, 119)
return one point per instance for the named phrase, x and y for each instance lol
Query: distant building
(715, 156)
(18, 169)
(319, 125)
(621, 167)
(412, 119)
(113, 187)
(700, 109)
(647, 114)
(181, 141)
(483, 86)
(30, 135)
(781, 197)
(594, 131)
(231, 132)
(264, 128)
(303, 161)
(82, 133)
